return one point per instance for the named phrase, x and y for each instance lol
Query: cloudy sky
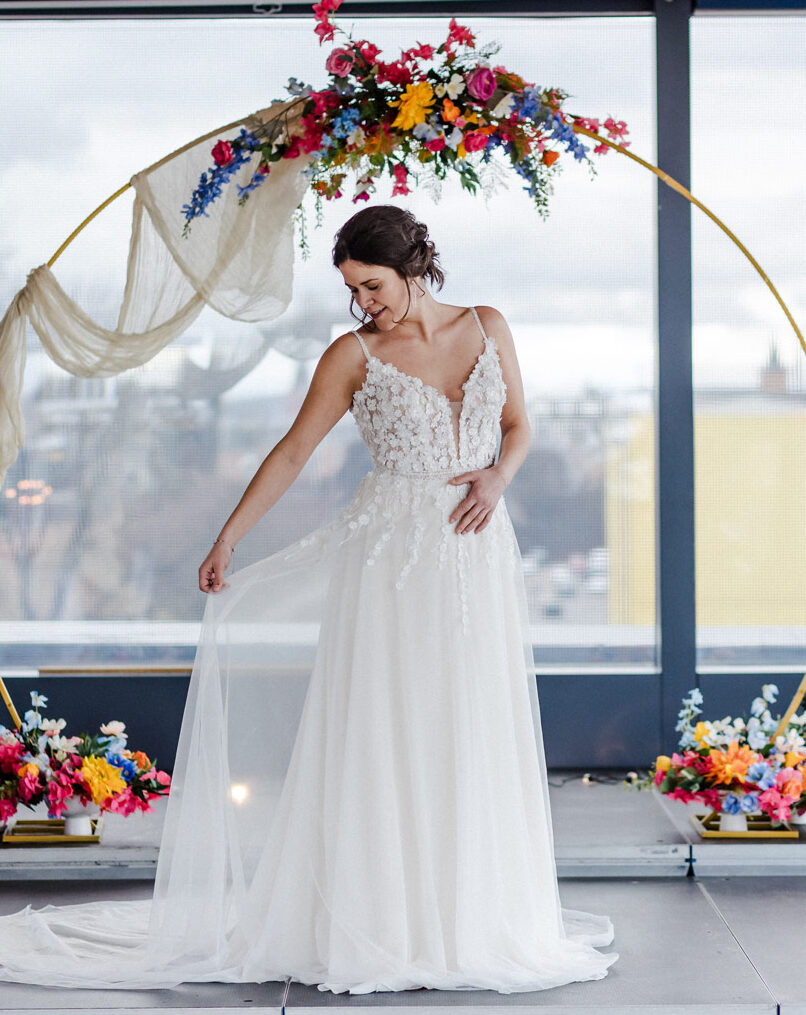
(88, 104)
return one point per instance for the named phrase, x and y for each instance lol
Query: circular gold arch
(668, 180)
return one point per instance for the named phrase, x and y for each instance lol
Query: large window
(748, 151)
(124, 482)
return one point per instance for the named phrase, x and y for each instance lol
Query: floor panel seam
(713, 904)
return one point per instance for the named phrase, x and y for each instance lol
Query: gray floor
(687, 944)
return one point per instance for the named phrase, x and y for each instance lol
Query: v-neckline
(430, 387)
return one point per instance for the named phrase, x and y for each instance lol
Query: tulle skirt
(359, 797)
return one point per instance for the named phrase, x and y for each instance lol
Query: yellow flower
(29, 768)
(662, 763)
(700, 733)
(104, 780)
(793, 759)
(413, 105)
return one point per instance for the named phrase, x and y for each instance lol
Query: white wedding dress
(390, 824)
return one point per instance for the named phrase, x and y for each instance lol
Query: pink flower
(8, 808)
(9, 756)
(163, 778)
(436, 145)
(475, 140)
(325, 31)
(340, 62)
(481, 83)
(362, 195)
(678, 793)
(264, 169)
(292, 151)
(222, 153)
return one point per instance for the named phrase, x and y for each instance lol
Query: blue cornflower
(749, 802)
(731, 804)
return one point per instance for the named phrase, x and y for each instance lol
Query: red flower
(369, 51)
(264, 169)
(312, 137)
(361, 196)
(436, 145)
(401, 175)
(475, 140)
(421, 51)
(340, 62)
(222, 153)
(322, 101)
(325, 7)
(394, 73)
(293, 150)
(458, 35)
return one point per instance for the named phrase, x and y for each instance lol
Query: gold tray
(707, 825)
(47, 832)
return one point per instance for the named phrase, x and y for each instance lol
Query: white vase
(732, 822)
(798, 819)
(77, 817)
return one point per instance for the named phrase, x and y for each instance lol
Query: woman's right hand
(211, 572)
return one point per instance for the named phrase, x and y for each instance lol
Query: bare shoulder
(494, 323)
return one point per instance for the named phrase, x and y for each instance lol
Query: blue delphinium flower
(344, 122)
(527, 102)
(126, 765)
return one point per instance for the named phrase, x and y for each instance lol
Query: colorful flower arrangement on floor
(431, 108)
(38, 763)
(736, 765)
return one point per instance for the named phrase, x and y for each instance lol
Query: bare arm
(473, 512)
(338, 373)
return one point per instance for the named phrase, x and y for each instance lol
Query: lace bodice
(409, 426)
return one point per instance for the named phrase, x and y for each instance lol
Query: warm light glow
(239, 792)
(11, 494)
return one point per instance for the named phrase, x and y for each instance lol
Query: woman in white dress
(376, 817)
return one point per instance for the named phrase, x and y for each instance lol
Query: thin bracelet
(231, 548)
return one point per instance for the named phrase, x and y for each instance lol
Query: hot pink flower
(340, 62)
(28, 785)
(325, 31)
(362, 195)
(9, 756)
(481, 83)
(222, 153)
(678, 793)
(322, 101)
(293, 150)
(163, 778)
(475, 140)
(436, 145)
(8, 808)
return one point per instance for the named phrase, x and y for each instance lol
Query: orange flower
(550, 157)
(732, 764)
(450, 111)
(793, 759)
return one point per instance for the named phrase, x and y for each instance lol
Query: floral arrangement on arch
(37, 762)
(430, 111)
(736, 765)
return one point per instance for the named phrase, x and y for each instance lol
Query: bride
(359, 799)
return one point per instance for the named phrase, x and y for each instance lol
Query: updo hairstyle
(390, 236)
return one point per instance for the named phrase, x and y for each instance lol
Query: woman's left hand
(476, 509)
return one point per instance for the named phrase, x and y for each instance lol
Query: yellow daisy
(103, 779)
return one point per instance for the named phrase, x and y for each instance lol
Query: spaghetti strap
(363, 343)
(478, 321)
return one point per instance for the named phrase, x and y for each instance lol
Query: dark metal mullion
(675, 422)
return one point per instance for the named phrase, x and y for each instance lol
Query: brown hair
(391, 236)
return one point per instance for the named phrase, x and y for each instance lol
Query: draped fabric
(237, 259)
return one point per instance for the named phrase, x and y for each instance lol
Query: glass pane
(748, 75)
(134, 475)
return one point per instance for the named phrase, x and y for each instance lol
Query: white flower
(453, 88)
(504, 107)
(769, 692)
(53, 724)
(115, 728)
(64, 744)
(358, 137)
(453, 138)
(757, 706)
(38, 700)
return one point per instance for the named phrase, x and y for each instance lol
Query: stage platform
(691, 939)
